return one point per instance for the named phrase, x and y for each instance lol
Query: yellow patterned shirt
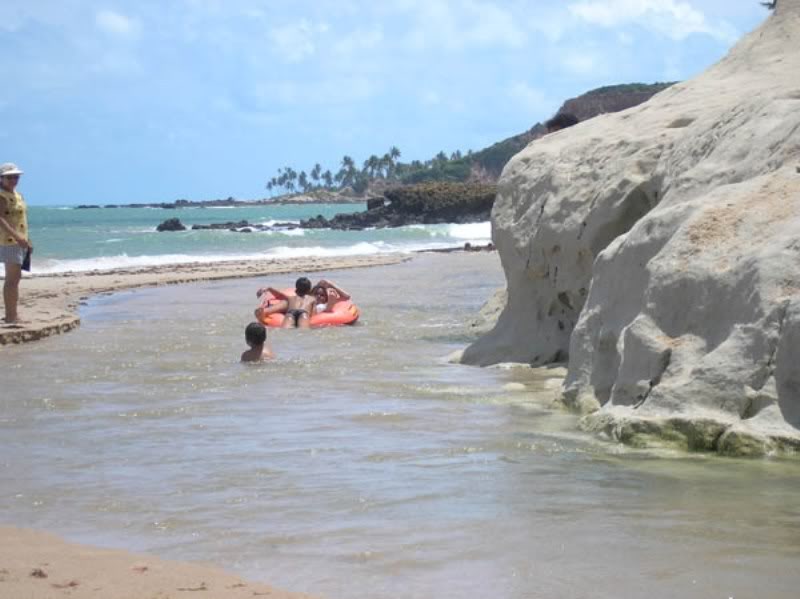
(12, 209)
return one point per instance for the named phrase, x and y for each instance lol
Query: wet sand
(49, 303)
(37, 565)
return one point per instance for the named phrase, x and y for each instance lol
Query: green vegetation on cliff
(441, 197)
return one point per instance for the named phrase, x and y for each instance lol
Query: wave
(363, 248)
(477, 231)
(468, 231)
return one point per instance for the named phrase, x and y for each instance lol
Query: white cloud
(116, 63)
(297, 41)
(673, 18)
(581, 63)
(492, 25)
(626, 39)
(117, 24)
(359, 41)
(459, 25)
(267, 96)
(530, 98)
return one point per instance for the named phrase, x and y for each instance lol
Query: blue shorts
(13, 254)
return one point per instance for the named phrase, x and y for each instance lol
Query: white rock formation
(659, 248)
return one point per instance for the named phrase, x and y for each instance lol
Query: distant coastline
(318, 197)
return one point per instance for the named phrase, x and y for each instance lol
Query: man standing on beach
(14, 242)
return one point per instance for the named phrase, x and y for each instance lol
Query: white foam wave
(472, 232)
(272, 222)
(292, 232)
(123, 261)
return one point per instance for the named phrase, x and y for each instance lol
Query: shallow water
(361, 465)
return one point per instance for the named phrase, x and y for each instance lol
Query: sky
(125, 101)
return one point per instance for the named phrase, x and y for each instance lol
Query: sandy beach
(37, 565)
(49, 303)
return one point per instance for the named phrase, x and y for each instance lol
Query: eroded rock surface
(658, 248)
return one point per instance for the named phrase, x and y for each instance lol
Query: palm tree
(770, 5)
(316, 172)
(347, 172)
(339, 176)
(302, 181)
(385, 164)
(328, 178)
(291, 177)
(371, 165)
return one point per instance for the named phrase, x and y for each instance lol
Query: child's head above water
(255, 334)
(302, 286)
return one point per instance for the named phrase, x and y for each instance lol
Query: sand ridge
(38, 565)
(49, 303)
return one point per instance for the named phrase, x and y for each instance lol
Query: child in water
(256, 337)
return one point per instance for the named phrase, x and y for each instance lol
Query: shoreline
(49, 303)
(40, 565)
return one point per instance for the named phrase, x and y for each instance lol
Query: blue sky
(149, 101)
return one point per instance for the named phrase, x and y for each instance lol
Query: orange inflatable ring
(343, 312)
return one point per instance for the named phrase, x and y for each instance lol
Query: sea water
(360, 463)
(82, 239)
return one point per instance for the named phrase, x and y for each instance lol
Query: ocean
(79, 240)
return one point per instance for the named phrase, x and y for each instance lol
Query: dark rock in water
(422, 204)
(171, 224)
(245, 227)
(230, 226)
(374, 203)
(85, 206)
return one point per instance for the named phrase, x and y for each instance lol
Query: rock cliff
(657, 250)
(486, 165)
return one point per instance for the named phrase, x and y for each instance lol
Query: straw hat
(9, 168)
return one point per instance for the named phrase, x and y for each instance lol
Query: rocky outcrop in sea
(656, 252)
(424, 203)
(242, 226)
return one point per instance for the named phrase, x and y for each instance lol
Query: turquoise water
(70, 239)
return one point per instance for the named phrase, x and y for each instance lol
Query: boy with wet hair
(256, 337)
(299, 307)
